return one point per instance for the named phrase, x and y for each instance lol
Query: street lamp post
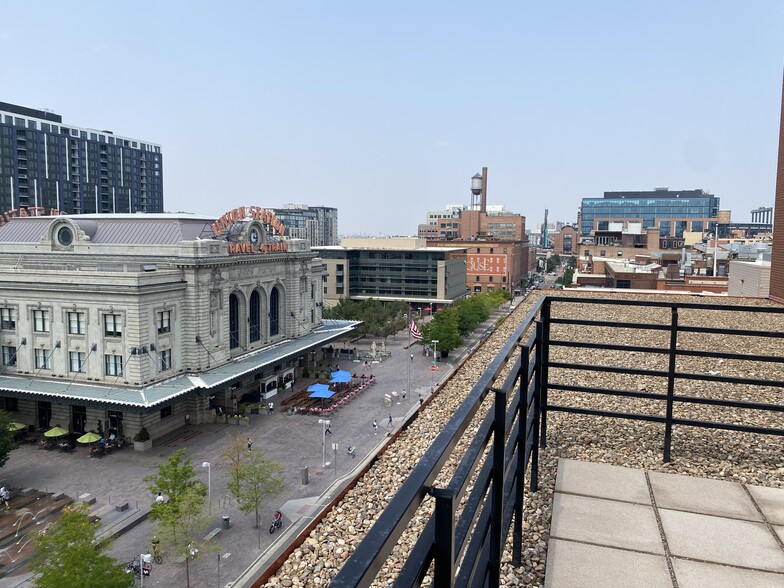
(410, 363)
(324, 423)
(208, 465)
(435, 359)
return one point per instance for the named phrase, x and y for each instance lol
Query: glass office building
(316, 224)
(673, 212)
(50, 165)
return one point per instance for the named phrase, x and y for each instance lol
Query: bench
(211, 534)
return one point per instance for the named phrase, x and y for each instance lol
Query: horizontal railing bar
(662, 304)
(612, 324)
(607, 368)
(679, 352)
(728, 427)
(729, 379)
(729, 355)
(663, 374)
(739, 332)
(608, 346)
(729, 403)
(606, 413)
(608, 391)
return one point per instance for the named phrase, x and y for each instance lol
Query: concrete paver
(602, 481)
(721, 540)
(770, 501)
(697, 574)
(715, 550)
(605, 522)
(702, 495)
(580, 565)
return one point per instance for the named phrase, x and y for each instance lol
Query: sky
(385, 110)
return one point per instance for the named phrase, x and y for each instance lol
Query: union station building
(153, 320)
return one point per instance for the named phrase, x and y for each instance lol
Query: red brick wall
(777, 266)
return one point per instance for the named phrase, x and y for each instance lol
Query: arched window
(254, 317)
(274, 312)
(234, 321)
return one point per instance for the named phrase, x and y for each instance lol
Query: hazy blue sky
(386, 109)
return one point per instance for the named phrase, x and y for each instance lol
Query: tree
(181, 518)
(444, 329)
(553, 261)
(6, 437)
(252, 476)
(68, 555)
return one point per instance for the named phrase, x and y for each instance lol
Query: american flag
(415, 330)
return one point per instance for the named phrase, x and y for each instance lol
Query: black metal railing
(466, 551)
(674, 351)
(474, 542)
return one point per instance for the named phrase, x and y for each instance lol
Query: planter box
(142, 445)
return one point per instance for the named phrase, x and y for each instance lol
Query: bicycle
(134, 567)
(277, 522)
(156, 553)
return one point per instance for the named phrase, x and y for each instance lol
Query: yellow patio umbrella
(89, 437)
(14, 426)
(56, 432)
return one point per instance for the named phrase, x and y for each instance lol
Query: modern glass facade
(673, 212)
(411, 275)
(54, 166)
(316, 224)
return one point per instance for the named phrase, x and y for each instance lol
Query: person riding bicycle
(156, 544)
(278, 516)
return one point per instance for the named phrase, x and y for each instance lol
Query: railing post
(522, 436)
(671, 383)
(542, 359)
(537, 406)
(444, 560)
(497, 489)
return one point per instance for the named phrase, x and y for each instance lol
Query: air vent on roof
(149, 268)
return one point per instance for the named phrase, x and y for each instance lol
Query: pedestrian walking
(271, 406)
(389, 423)
(250, 443)
(327, 431)
(5, 496)
(375, 427)
(421, 400)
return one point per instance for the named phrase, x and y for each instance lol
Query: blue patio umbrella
(340, 378)
(320, 391)
(323, 393)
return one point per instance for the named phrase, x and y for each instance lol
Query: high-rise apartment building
(316, 224)
(48, 165)
(673, 212)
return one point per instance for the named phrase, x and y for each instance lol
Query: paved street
(295, 441)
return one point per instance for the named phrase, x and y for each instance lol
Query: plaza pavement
(295, 441)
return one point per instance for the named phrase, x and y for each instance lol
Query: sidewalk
(616, 526)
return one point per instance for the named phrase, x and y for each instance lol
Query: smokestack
(483, 201)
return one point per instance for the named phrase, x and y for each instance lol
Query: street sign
(433, 368)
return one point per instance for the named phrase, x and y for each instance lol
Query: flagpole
(409, 350)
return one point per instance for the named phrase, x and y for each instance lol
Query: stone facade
(130, 304)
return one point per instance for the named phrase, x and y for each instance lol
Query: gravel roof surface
(724, 455)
